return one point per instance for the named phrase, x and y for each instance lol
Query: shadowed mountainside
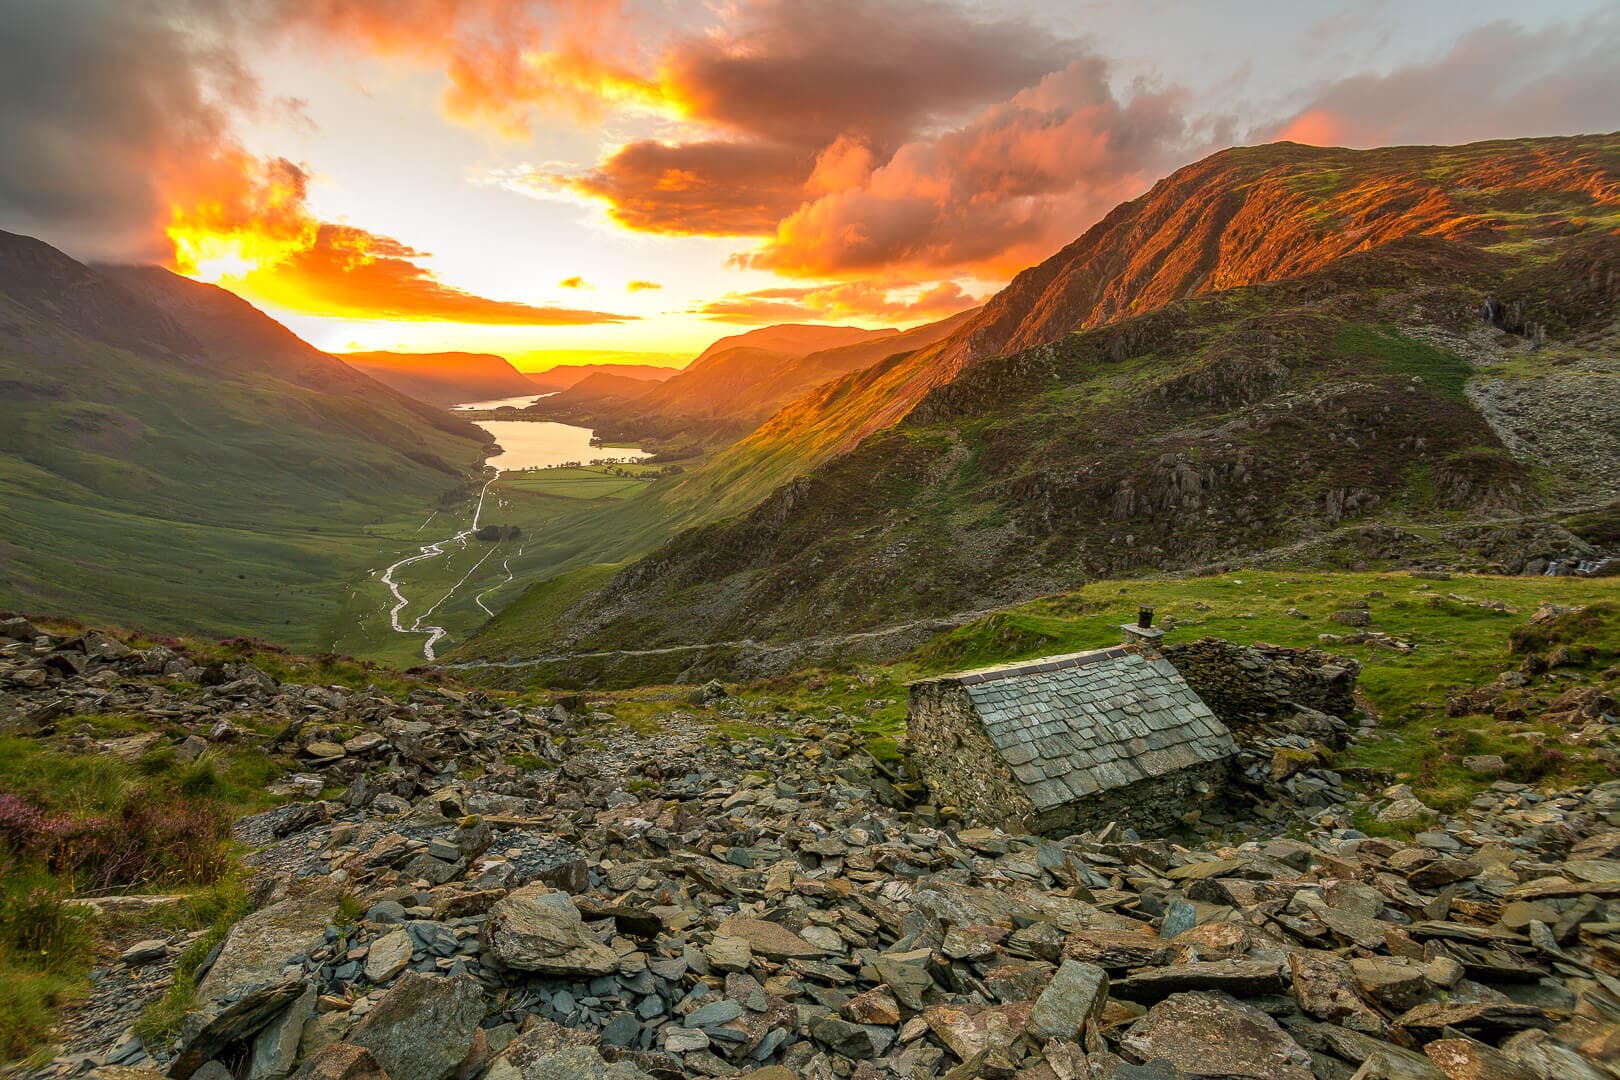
(551, 380)
(171, 456)
(736, 383)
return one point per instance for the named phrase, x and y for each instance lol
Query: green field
(184, 502)
(569, 519)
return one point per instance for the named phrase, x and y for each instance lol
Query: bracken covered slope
(1320, 411)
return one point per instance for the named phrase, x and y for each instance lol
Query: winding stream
(524, 444)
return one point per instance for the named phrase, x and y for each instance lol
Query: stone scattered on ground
(545, 893)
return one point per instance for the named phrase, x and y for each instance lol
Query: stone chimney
(1142, 637)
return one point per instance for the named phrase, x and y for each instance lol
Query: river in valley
(524, 444)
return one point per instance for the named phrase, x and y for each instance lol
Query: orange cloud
(641, 286)
(712, 188)
(993, 195)
(834, 303)
(575, 282)
(244, 223)
(504, 59)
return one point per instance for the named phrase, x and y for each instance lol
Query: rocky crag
(464, 887)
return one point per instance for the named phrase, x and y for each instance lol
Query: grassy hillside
(1352, 412)
(568, 520)
(171, 481)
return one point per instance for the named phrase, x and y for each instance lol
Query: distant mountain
(1327, 356)
(446, 378)
(171, 456)
(565, 375)
(795, 338)
(604, 390)
(739, 381)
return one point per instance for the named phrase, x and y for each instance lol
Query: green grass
(586, 482)
(46, 949)
(1459, 643)
(565, 529)
(512, 631)
(1443, 373)
(151, 492)
(222, 910)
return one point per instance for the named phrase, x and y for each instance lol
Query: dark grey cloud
(102, 104)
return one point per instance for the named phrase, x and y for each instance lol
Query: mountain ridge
(1227, 421)
(443, 378)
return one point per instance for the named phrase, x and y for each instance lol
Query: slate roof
(1071, 726)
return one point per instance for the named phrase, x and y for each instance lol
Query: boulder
(388, 956)
(539, 929)
(423, 1027)
(204, 1034)
(341, 1061)
(579, 1063)
(768, 939)
(276, 1047)
(1211, 1034)
(1071, 1001)
(259, 947)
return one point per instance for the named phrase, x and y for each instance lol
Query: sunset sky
(562, 179)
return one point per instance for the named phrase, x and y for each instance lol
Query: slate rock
(388, 956)
(341, 1061)
(539, 929)
(1073, 1000)
(276, 1047)
(580, 1063)
(258, 948)
(423, 1027)
(1245, 978)
(207, 1032)
(1212, 1034)
(907, 975)
(1466, 1059)
(768, 939)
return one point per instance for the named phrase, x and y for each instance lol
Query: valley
(1198, 657)
(536, 459)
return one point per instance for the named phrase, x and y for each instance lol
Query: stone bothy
(1071, 742)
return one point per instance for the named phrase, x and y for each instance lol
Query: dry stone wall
(956, 759)
(1254, 687)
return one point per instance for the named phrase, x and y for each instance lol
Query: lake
(542, 444)
(521, 402)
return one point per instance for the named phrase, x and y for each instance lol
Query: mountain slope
(1361, 391)
(553, 379)
(1239, 217)
(740, 381)
(172, 456)
(446, 378)
(795, 338)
